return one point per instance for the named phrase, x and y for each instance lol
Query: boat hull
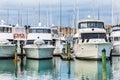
(116, 48)
(39, 52)
(93, 51)
(7, 51)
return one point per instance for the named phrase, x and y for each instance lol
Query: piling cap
(103, 50)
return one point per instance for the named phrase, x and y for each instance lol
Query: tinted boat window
(40, 31)
(5, 30)
(46, 30)
(1, 29)
(92, 35)
(32, 30)
(91, 25)
(55, 31)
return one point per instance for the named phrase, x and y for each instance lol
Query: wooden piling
(15, 54)
(68, 50)
(104, 75)
(21, 48)
(69, 66)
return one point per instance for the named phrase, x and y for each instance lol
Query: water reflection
(116, 68)
(39, 65)
(39, 69)
(7, 66)
(90, 70)
(63, 70)
(57, 69)
(6, 69)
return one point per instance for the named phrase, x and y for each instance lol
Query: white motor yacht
(91, 40)
(115, 39)
(42, 47)
(7, 49)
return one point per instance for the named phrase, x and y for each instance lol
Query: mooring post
(21, 47)
(104, 75)
(69, 66)
(15, 54)
(15, 60)
(21, 57)
(68, 50)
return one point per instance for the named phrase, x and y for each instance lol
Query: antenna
(27, 17)
(18, 16)
(75, 3)
(47, 20)
(98, 14)
(51, 16)
(112, 12)
(7, 16)
(60, 15)
(39, 12)
(117, 18)
(21, 19)
(47, 16)
(51, 20)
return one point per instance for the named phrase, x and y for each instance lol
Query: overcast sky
(27, 11)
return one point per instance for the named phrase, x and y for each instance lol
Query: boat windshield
(5, 30)
(55, 31)
(40, 31)
(82, 25)
(115, 38)
(116, 28)
(93, 35)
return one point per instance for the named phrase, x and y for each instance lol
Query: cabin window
(93, 35)
(40, 31)
(91, 25)
(30, 41)
(1, 29)
(83, 25)
(115, 28)
(48, 42)
(46, 30)
(32, 30)
(116, 38)
(55, 31)
(5, 30)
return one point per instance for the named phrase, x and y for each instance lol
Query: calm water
(57, 69)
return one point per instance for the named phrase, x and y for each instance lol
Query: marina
(59, 40)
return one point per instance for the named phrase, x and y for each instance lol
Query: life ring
(16, 35)
(22, 36)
